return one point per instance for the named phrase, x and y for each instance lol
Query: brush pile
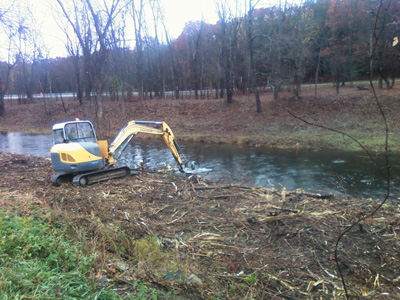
(209, 241)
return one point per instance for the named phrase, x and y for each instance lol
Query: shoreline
(212, 121)
(310, 146)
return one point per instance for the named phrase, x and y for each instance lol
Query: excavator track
(98, 176)
(93, 177)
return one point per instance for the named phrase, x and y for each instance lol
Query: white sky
(177, 14)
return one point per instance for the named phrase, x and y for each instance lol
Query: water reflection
(314, 171)
(16, 142)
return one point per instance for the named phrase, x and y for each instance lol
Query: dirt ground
(217, 241)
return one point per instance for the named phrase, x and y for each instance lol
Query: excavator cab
(75, 148)
(76, 131)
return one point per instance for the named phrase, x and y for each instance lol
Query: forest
(273, 48)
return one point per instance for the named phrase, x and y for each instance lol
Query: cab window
(80, 132)
(71, 132)
(58, 136)
(86, 132)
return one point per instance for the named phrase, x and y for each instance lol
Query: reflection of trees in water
(15, 142)
(28, 144)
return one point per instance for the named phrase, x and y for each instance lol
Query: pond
(348, 174)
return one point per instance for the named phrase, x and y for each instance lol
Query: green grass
(37, 261)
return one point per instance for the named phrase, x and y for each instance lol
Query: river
(347, 174)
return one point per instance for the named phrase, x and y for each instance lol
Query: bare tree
(92, 22)
(5, 72)
(160, 62)
(315, 15)
(192, 36)
(228, 39)
(73, 48)
(77, 17)
(30, 53)
(271, 46)
(12, 26)
(172, 65)
(251, 49)
(386, 60)
(138, 17)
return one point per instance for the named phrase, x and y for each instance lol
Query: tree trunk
(252, 71)
(2, 108)
(258, 102)
(317, 71)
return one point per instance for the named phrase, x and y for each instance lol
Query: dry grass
(241, 242)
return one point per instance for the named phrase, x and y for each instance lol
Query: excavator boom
(135, 127)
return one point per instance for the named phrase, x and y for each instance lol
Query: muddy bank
(233, 241)
(213, 121)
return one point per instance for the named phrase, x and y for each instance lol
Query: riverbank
(354, 112)
(164, 236)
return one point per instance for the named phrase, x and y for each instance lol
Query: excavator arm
(133, 128)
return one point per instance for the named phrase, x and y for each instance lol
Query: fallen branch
(218, 196)
(211, 187)
(177, 219)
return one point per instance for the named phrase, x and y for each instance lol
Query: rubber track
(98, 176)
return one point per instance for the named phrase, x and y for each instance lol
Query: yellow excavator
(79, 157)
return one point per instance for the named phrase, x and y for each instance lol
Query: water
(313, 171)
(29, 144)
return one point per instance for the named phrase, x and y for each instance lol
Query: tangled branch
(385, 170)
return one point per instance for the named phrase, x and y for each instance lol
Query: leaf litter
(216, 241)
